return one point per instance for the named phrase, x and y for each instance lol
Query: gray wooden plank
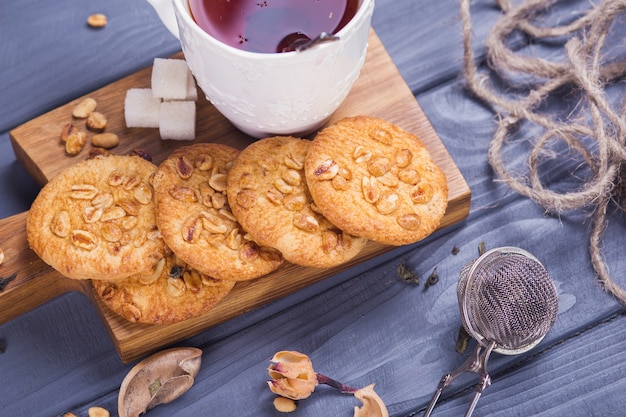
(425, 38)
(16, 199)
(368, 326)
(49, 56)
(583, 375)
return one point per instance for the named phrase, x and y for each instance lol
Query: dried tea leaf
(407, 275)
(154, 387)
(482, 248)
(462, 340)
(433, 278)
(171, 389)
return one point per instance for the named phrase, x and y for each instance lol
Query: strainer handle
(485, 381)
(476, 363)
(444, 382)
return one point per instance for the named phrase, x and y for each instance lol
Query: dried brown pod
(158, 379)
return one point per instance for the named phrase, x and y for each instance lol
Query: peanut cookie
(170, 293)
(194, 217)
(96, 219)
(373, 179)
(268, 194)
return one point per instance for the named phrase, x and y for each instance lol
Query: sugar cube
(170, 78)
(177, 120)
(141, 108)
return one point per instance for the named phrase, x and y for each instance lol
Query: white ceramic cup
(265, 94)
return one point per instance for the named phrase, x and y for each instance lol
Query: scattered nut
(422, 193)
(176, 287)
(143, 194)
(284, 404)
(379, 166)
(67, 130)
(306, 222)
(102, 200)
(293, 162)
(83, 239)
(204, 162)
(184, 194)
(192, 229)
(105, 140)
(381, 135)
(409, 176)
(131, 182)
(362, 155)
(116, 178)
(96, 121)
(218, 201)
(193, 280)
(98, 412)
(75, 142)
(152, 275)
(403, 158)
(95, 152)
(60, 224)
(409, 221)
(388, 203)
(248, 198)
(371, 191)
(218, 181)
(84, 108)
(92, 214)
(97, 20)
(142, 153)
(112, 213)
(83, 191)
(184, 167)
(1, 256)
(282, 186)
(327, 170)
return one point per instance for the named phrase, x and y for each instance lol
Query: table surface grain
(361, 326)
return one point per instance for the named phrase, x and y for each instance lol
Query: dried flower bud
(292, 375)
(293, 378)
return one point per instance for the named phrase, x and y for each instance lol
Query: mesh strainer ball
(507, 296)
(508, 303)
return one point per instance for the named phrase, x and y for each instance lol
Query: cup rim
(182, 10)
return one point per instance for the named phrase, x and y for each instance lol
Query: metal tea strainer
(508, 303)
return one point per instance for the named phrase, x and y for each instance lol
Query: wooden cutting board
(379, 91)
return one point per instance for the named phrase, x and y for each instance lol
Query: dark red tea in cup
(270, 26)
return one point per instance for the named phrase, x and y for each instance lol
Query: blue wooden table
(365, 325)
